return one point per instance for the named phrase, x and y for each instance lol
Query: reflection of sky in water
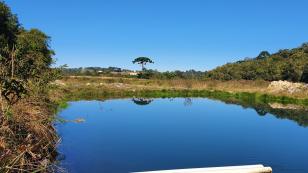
(121, 136)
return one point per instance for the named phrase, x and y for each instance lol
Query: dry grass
(27, 137)
(118, 84)
(174, 83)
(133, 83)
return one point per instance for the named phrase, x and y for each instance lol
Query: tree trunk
(1, 97)
(1, 102)
(13, 59)
(142, 64)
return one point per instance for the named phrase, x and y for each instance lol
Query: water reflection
(296, 113)
(145, 101)
(214, 134)
(187, 102)
(142, 101)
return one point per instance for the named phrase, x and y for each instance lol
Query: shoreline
(85, 87)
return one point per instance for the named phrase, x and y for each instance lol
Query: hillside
(286, 64)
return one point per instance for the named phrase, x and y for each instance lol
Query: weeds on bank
(28, 138)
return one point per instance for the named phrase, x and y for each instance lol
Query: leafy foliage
(145, 74)
(9, 27)
(25, 58)
(304, 77)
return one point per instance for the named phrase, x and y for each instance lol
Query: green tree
(25, 59)
(289, 73)
(286, 64)
(284, 53)
(9, 28)
(263, 55)
(305, 47)
(33, 55)
(34, 59)
(304, 77)
(143, 61)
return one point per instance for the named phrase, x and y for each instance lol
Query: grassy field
(118, 85)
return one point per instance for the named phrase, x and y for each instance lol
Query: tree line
(144, 73)
(92, 71)
(287, 64)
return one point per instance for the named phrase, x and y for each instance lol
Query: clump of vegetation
(27, 137)
(287, 64)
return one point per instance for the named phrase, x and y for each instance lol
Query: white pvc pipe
(226, 169)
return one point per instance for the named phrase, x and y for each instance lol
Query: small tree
(305, 47)
(143, 61)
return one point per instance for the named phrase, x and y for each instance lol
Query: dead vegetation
(27, 137)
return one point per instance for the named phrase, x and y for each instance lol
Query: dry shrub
(27, 138)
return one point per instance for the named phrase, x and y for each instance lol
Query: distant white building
(133, 73)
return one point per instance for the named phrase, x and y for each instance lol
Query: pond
(127, 135)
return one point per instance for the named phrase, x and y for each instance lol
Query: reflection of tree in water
(142, 101)
(261, 105)
(261, 112)
(100, 105)
(187, 102)
(298, 114)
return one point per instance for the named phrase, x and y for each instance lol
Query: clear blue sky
(177, 34)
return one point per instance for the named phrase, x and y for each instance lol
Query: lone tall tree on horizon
(143, 61)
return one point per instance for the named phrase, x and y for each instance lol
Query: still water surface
(125, 135)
